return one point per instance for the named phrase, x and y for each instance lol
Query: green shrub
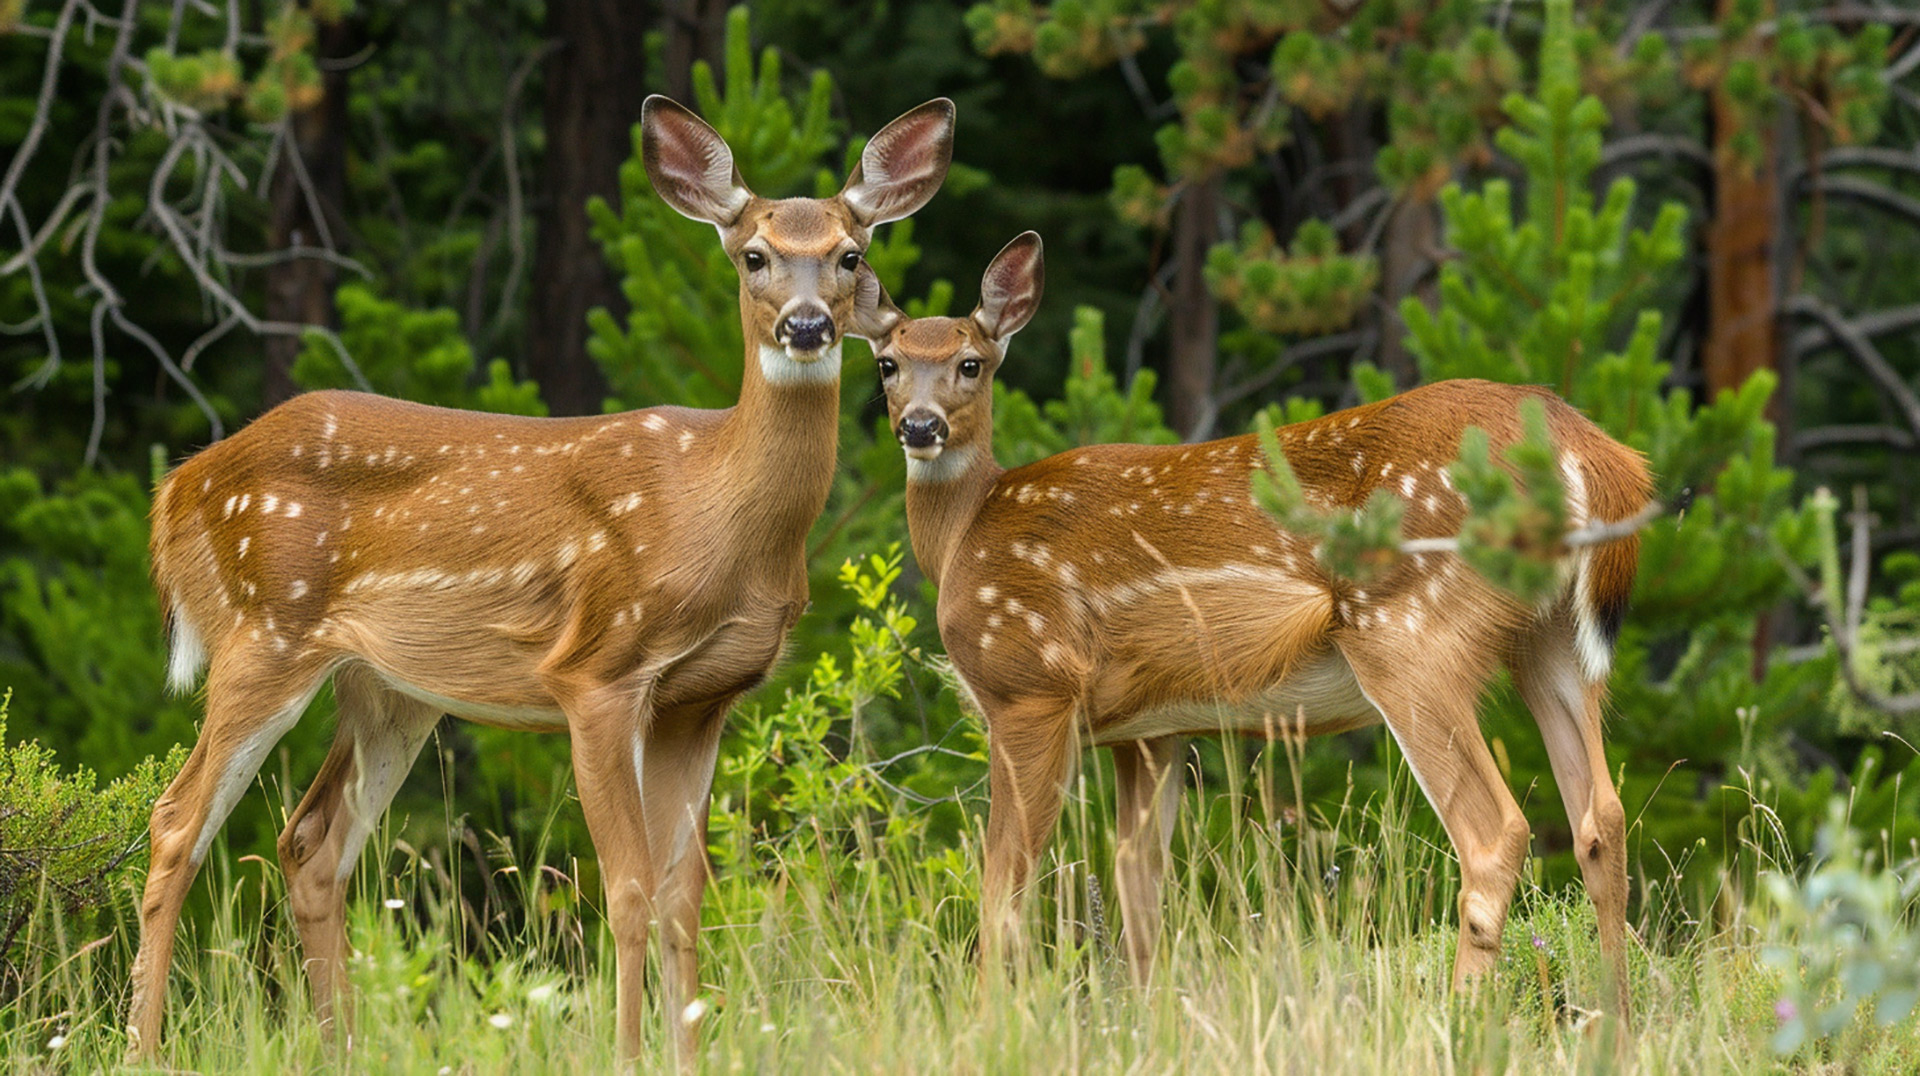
(62, 839)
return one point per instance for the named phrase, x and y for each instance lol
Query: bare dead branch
(43, 108)
(1624, 151)
(1876, 323)
(1877, 195)
(1821, 437)
(516, 224)
(166, 363)
(1590, 535)
(1838, 619)
(1294, 355)
(1899, 394)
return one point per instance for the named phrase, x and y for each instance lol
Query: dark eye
(970, 368)
(888, 368)
(754, 260)
(850, 260)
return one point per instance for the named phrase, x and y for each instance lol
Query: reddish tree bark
(1742, 304)
(594, 85)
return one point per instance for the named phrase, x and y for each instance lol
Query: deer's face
(937, 373)
(798, 258)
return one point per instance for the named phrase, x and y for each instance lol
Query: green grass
(851, 951)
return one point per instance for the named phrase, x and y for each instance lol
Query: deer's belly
(1319, 696)
(517, 716)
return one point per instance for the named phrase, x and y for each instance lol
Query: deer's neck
(943, 497)
(781, 443)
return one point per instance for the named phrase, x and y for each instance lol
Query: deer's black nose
(807, 332)
(922, 430)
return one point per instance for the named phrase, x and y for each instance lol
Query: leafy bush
(62, 839)
(1843, 935)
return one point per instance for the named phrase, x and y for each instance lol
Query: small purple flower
(1540, 943)
(1785, 1009)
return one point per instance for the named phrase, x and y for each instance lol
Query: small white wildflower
(56, 1042)
(540, 993)
(767, 1029)
(693, 1012)
(446, 1070)
(500, 1020)
(395, 903)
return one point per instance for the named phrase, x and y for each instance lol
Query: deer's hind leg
(1428, 704)
(254, 695)
(1147, 800)
(378, 734)
(1567, 708)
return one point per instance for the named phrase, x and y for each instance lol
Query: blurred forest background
(1699, 221)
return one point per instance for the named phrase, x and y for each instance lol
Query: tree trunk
(1742, 278)
(300, 290)
(1406, 256)
(594, 85)
(1196, 321)
(695, 30)
(1741, 297)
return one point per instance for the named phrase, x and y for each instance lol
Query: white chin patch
(784, 366)
(940, 467)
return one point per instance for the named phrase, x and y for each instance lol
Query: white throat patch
(780, 368)
(948, 465)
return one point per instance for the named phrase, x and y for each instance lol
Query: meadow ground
(1323, 950)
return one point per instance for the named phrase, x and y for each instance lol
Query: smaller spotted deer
(618, 578)
(1131, 595)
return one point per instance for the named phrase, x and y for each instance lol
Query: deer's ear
(874, 315)
(1010, 290)
(689, 163)
(903, 166)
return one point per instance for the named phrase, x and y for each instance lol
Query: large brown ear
(689, 163)
(1010, 290)
(903, 166)
(874, 315)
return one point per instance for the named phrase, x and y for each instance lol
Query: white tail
(1130, 595)
(620, 578)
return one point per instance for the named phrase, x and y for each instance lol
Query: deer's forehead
(806, 227)
(932, 339)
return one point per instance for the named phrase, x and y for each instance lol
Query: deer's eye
(755, 261)
(888, 368)
(970, 368)
(850, 261)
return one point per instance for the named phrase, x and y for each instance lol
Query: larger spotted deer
(621, 579)
(1129, 595)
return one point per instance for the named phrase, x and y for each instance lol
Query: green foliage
(682, 341)
(1308, 289)
(1515, 531)
(80, 638)
(785, 792)
(63, 840)
(1092, 408)
(1357, 545)
(1554, 292)
(416, 355)
(1842, 935)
